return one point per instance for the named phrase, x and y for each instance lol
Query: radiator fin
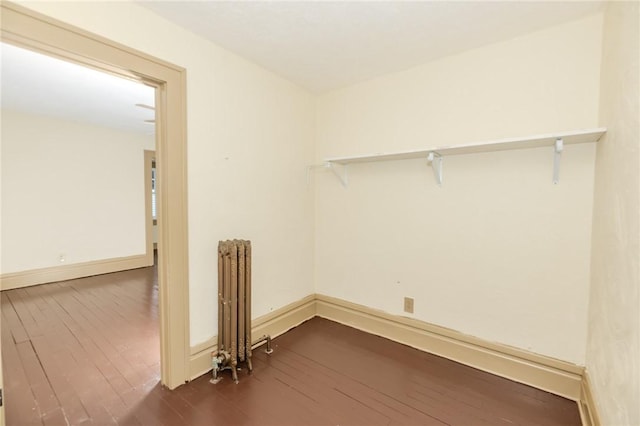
(234, 303)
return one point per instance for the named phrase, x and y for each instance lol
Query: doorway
(151, 204)
(33, 31)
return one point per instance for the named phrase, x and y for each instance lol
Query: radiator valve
(218, 362)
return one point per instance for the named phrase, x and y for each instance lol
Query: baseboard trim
(588, 411)
(549, 374)
(552, 375)
(274, 324)
(72, 271)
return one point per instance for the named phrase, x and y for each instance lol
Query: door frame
(26, 28)
(149, 159)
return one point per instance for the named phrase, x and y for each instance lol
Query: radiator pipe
(220, 361)
(262, 339)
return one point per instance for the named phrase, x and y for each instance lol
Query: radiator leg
(266, 337)
(269, 351)
(234, 374)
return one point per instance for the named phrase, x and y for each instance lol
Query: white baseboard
(552, 375)
(588, 410)
(72, 271)
(274, 324)
(545, 373)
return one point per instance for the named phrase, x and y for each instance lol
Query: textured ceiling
(39, 84)
(323, 45)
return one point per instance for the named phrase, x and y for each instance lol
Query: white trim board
(274, 324)
(71, 271)
(537, 141)
(588, 409)
(549, 374)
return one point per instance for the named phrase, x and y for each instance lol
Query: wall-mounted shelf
(434, 155)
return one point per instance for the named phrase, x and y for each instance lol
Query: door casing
(26, 28)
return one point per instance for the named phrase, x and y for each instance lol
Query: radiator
(234, 309)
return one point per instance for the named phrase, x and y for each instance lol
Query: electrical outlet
(408, 305)
(62, 258)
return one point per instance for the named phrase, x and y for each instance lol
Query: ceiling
(39, 84)
(324, 45)
(320, 45)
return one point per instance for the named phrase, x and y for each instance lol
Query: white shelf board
(568, 138)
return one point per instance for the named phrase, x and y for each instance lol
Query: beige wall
(69, 189)
(521, 258)
(498, 252)
(250, 136)
(613, 351)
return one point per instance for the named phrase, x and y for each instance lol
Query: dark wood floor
(87, 352)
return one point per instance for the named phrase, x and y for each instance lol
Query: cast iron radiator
(234, 309)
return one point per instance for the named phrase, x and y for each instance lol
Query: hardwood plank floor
(87, 352)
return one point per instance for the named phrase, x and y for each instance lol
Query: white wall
(250, 136)
(515, 271)
(613, 352)
(69, 189)
(498, 252)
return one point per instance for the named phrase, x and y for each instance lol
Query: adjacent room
(365, 213)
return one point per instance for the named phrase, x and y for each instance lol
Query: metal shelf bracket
(340, 171)
(557, 153)
(435, 160)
